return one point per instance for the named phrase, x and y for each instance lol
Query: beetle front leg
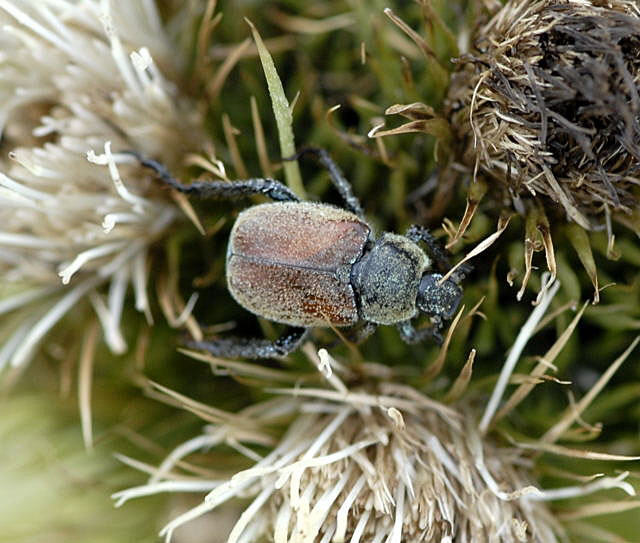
(410, 335)
(237, 347)
(461, 272)
(271, 188)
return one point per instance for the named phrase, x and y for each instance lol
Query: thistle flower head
(79, 80)
(378, 465)
(376, 462)
(547, 106)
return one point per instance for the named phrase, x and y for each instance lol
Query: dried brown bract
(548, 104)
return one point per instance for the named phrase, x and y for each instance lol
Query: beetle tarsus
(337, 177)
(159, 168)
(237, 347)
(409, 334)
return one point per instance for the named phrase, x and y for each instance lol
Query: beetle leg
(337, 177)
(410, 335)
(221, 189)
(236, 347)
(439, 254)
(458, 275)
(362, 333)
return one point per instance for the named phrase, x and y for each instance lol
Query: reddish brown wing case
(290, 262)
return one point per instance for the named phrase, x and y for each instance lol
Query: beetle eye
(438, 299)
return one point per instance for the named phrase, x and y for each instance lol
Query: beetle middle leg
(410, 335)
(237, 347)
(439, 254)
(358, 334)
(271, 188)
(337, 178)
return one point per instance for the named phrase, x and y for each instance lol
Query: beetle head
(438, 300)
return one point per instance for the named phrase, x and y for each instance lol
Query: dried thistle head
(383, 464)
(547, 105)
(379, 461)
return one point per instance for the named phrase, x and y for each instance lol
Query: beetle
(309, 265)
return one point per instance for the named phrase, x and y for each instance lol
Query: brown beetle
(311, 265)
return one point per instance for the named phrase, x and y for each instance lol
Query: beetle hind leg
(237, 347)
(270, 188)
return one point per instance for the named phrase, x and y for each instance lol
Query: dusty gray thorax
(387, 277)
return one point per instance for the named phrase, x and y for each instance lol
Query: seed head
(385, 465)
(379, 461)
(548, 105)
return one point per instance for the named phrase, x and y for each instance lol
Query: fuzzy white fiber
(78, 81)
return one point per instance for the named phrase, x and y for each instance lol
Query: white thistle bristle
(81, 79)
(372, 472)
(378, 463)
